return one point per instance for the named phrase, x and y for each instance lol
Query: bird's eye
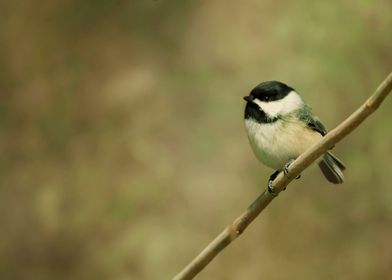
(265, 98)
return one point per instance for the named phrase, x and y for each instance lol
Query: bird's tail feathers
(332, 168)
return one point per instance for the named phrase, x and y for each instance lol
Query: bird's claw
(271, 189)
(286, 170)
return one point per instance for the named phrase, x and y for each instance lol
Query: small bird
(281, 126)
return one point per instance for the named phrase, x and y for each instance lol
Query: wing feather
(313, 122)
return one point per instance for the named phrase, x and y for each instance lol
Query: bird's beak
(249, 98)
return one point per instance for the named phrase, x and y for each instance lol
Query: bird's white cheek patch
(286, 105)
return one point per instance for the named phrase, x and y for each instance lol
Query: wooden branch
(300, 164)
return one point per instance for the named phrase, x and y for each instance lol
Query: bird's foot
(271, 189)
(286, 170)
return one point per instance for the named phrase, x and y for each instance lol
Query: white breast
(274, 144)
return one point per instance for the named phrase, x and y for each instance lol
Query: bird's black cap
(269, 91)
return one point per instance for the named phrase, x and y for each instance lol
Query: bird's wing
(316, 125)
(312, 121)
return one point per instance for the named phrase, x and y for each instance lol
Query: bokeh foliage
(123, 151)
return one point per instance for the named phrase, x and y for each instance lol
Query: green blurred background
(123, 151)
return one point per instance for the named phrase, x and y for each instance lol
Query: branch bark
(235, 229)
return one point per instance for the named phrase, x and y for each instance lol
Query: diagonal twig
(233, 230)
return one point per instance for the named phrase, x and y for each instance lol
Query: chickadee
(281, 126)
